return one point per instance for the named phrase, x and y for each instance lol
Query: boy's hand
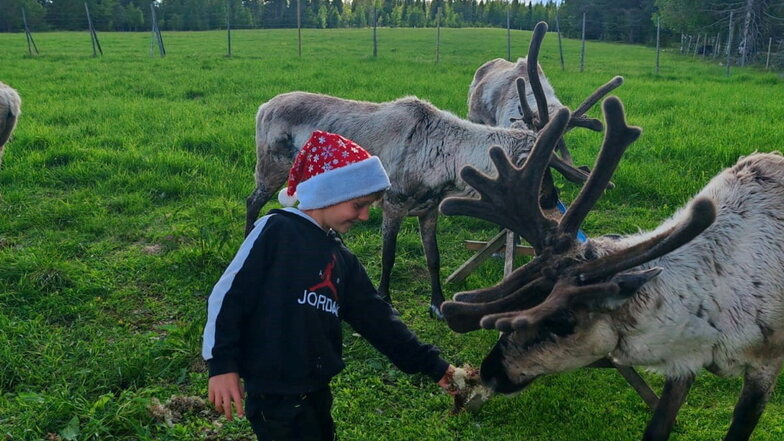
(225, 388)
(446, 382)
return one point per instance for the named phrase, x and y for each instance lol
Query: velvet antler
(502, 201)
(564, 165)
(556, 279)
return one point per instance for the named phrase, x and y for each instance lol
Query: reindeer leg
(758, 384)
(672, 398)
(7, 123)
(271, 173)
(265, 188)
(392, 219)
(428, 223)
(255, 201)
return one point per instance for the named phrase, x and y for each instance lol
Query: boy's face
(341, 217)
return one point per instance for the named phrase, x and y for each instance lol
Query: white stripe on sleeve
(215, 301)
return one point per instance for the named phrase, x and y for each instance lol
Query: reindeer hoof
(435, 312)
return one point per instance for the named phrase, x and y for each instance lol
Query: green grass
(122, 200)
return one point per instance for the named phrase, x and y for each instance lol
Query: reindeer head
(553, 312)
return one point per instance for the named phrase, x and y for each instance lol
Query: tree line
(196, 15)
(756, 23)
(630, 21)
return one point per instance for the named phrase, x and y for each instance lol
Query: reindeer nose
(493, 373)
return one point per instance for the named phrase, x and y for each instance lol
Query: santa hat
(330, 169)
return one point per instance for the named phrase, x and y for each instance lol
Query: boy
(274, 316)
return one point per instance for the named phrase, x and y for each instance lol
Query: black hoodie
(274, 316)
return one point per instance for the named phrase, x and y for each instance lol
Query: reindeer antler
(618, 137)
(577, 119)
(525, 109)
(701, 216)
(578, 116)
(564, 167)
(586, 282)
(533, 74)
(555, 279)
(501, 200)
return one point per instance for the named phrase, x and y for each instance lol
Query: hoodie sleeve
(231, 299)
(379, 324)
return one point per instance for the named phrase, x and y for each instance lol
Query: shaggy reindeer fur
(718, 303)
(422, 148)
(10, 104)
(720, 298)
(493, 98)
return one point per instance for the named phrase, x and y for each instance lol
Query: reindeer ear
(628, 285)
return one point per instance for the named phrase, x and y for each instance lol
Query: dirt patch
(178, 407)
(154, 249)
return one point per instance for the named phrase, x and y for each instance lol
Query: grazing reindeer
(422, 148)
(498, 96)
(9, 112)
(705, 289)
(493, 97)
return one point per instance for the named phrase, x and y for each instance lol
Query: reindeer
(9, 112)
(422, 148)
(705, 289)
(492, 95)
(498, 96)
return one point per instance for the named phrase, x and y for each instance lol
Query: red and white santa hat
(330, 169)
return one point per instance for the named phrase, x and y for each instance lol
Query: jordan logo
(326, 280)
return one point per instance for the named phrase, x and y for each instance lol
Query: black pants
(300, 417)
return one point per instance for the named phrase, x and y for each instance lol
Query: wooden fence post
(582, 51)
(658, 32)
(93, 35)
(228, 24)
(729, 45)
(152, 28)
(375, 36)
(508, 33)
(29, 36)
(90, 26)
(718, 45)
(438, 33)
(299, 30)
(560, 46)
(156, 33)
(161, 46)
(767, 60)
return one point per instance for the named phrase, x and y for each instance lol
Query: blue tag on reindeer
(581, 237)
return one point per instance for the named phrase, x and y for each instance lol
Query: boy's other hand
(225, 388)
(446, 382)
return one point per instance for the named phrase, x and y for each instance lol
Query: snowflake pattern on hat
(324, 152)
(318, 156)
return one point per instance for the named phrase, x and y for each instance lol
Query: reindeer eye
(590, 252)
(561, 323)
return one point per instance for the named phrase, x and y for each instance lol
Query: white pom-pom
(285, 199)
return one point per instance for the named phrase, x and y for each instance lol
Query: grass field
(122, 200)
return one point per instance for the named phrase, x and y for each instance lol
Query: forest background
(759, 22)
